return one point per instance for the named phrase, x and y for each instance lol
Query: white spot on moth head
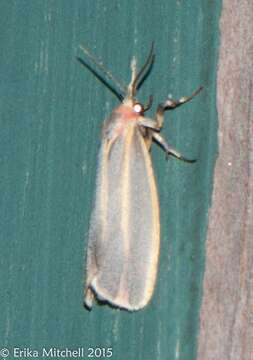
(138, 108)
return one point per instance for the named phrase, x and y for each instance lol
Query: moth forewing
(124, 232)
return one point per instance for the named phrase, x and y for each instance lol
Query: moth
(124, 233)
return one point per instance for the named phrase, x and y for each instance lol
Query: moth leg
(147, 127)
(148, 123)
(172, 104)
(168, 148)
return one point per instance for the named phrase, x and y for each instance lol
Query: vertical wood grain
(227, 311)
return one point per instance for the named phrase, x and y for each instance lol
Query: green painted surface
(51, 112)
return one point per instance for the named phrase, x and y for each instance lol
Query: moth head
(139, 108)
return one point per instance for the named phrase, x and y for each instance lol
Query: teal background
(51, 112)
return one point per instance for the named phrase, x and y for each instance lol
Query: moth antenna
(107, 72)
(150, 59)
(134, 70)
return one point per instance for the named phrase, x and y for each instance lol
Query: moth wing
(124, 231)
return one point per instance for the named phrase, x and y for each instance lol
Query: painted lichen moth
(124, 234)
